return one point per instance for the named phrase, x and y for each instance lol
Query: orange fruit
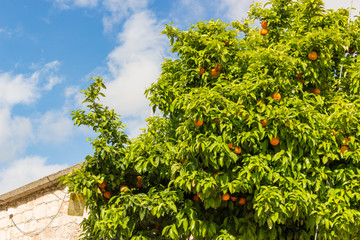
(312, 56)
(274, 141)
(196, 198)
(301, 81)
(138, 177)
(227, 43)
(102, 185)
(299, 75)
(247, 117)
(199, 122)
(347, 140)
(237, 150)
(139, 184)
(316, 91)
(242, 201)
(218, 68)
(202, 70)
(107, 194)
(230, 145)
(214, 73)
(333, 131)
(233, 198)
(343, 149)
(264, 24)
(263, 123)
(264, 31)
(124, 189)
(276, 96)
(225, 197)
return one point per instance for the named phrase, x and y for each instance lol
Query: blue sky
(50, 48)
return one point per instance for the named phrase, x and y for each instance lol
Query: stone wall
(40, 214)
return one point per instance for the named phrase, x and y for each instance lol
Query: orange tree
(257, 137)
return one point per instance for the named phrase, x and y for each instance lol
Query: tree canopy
(257, 135)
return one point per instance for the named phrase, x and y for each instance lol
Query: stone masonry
(39, 210)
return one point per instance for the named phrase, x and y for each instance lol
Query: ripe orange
(196, 198)
(264, 31)
(247, 117)
(242, 201)
(263, 123)
(299, 75)
(218, 68)
(182, 160)
(316, 91)
(343, 149)
(107, 194)
(225, 197)
(264, 24)
(233, 198)
(237, 150)
(276, 96)
(333, 131)
(230, 145)
(102, 185)
(346, 140)
(199, 122)
(274, 141)
(139, 184)
(202, 70)
(124, 189)
(312, 56)
(214, 73)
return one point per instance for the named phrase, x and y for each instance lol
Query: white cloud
(134, 65)
(16, 133)
(54, 126)
(18, 89)
(119, 9)
(26, 88)
(24, 171)
(66, 4)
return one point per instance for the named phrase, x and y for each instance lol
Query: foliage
(224, 80)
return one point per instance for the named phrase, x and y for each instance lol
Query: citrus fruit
(225, 197)
(199, 122)
(233, 198)
(264, 24)
(124, 189)
(312, 56)
(343, 149)
(276, 96)
(102, 185)
(237, 150)
(202, 70)
(274, 141)
(316, 91)
(264, 31)
(242, 201)
(107, 194)
(230, 145)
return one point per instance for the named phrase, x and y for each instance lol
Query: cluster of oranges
(224, 197)
(227, 197)
(215, 71)
(264, 30)
(102, 186)
(237, 150)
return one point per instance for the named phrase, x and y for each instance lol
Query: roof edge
(32, 187)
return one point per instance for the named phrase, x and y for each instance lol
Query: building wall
(32, 213)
